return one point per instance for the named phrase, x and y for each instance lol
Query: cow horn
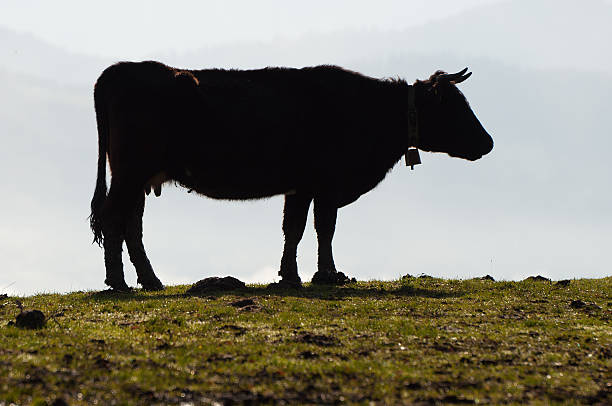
(455, 77)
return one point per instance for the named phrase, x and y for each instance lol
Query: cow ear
(434, 89)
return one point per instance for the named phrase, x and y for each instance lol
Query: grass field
(413, 341)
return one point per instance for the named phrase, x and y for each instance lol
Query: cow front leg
(325, 212)
(138, 255)
(295, 214)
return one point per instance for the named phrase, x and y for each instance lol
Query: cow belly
(224, 165)
(236, 183)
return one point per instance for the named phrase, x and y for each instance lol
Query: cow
(319, 134)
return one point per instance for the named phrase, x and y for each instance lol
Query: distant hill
(550, 36)
(27, 55)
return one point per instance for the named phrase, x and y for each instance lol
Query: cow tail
(99, 197)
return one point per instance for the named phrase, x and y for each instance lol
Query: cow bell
(412, 158)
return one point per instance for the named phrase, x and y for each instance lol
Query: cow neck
(412, 153)
(413, 128)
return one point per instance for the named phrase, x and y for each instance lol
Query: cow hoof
(284, 284)
(152, 285)
(118, 286)
(330, 278)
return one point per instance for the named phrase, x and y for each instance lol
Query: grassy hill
(417, 340)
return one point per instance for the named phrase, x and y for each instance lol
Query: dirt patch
(318, 339)
(448, 399)
(564, 283)
(245, 397)
(215, 284)
(445, 347)
(220, 357)
(577, 304)
(237, 330)
(243, 303)
(246, 305)
(251, 309)
(102, 363)
(308, 355)
(36, 376)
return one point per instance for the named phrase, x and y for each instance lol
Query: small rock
(163, 346)
(102, 363)
(563, 283)
(457, 400)
(31, 319)
(577, 304)
(251, 309)
(308, 355)
(318, 339)
(215, 283)
(538, 278)
(246, 305)
(220, 357)
(592, 306)
(237, 330)
(243, 303)
(487, 278)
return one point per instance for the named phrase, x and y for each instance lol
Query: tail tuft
(99, 197)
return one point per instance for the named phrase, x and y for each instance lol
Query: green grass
(403, 342)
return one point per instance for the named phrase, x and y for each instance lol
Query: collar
(413, 128)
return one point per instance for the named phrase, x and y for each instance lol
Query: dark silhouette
(322, 134)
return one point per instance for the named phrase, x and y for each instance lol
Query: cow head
(445, 120)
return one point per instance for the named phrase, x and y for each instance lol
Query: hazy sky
(134, 29)
(538, 204)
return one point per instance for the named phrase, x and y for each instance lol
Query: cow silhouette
(322, 134)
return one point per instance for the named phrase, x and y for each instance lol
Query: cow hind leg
(295, 214)
(325, 213)
(113, 241)
(136, 250)
(113, 227)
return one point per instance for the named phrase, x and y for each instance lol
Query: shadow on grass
(136, 295)
(308, 291)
